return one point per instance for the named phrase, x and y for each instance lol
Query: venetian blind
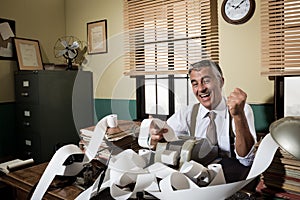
(280, 21)
(166, 36)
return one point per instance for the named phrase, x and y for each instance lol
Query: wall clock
(237, 11)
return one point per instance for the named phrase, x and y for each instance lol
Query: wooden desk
(23, 180)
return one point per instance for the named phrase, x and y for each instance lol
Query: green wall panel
(125, 109)
(263, 116)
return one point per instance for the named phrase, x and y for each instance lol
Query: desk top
(25, 179)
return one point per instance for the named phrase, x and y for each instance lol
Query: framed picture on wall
(28, 54)
(7, 32)
(97, 37)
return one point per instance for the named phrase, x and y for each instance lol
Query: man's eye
(206, 81)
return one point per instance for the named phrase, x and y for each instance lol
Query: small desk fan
(71, 49)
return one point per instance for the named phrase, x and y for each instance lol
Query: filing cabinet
(51, 108)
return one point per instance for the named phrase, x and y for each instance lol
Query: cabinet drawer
(26, 89)
(29, 145)
(28, 117)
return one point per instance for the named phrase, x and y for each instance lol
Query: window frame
(280, 25)
(200, 41)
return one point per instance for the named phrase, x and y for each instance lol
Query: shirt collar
(220, 110)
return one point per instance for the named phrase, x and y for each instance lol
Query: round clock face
(237, 11)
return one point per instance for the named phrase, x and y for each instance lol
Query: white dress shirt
(180, 122)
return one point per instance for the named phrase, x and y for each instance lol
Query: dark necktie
(211, 132)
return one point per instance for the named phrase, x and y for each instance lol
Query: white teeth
(204, 95)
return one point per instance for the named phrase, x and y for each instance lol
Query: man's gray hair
(206, 63)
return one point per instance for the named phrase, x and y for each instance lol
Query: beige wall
(240, 56)
(47, 20)
(239, 52)
(109, 81)
(43, 20)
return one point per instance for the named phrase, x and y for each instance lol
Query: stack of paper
(116, 139)
(283, 175)
(86, 135)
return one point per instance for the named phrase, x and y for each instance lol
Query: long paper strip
(56, 167)
(188, 189)
(263, 159)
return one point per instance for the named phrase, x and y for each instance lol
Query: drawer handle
(26, 123)
(24, 94)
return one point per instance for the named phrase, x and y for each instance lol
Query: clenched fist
(236, 102)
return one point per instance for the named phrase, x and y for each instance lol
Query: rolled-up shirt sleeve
(180, 121)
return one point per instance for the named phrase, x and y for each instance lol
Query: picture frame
(28, 54)
(97, 37)
(8, 31)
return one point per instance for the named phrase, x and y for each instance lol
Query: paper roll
(185, 188)
(160, 147)
(186, 151)
(19, 164)
(196, 172)
(218, 177)
(169, 157)
(262, 160)
(144, 133)
(146, 154)
(177, 181)
(112, 121)
(192, 169)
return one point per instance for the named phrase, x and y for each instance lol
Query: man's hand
(236, 102)
(156, 134)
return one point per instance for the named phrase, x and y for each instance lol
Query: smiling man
(234, 119)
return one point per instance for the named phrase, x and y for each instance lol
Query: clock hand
(239, 4)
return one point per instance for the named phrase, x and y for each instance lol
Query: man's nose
(201, 87)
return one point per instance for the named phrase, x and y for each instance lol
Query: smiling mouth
(204, 95)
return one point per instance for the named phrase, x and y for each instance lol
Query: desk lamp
(286, 133)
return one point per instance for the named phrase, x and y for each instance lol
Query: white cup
(112, 120)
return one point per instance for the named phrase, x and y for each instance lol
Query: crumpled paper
(128, 167)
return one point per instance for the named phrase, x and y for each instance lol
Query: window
(280, 37)
(163, 37)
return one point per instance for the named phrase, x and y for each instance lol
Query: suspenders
(193, 125)
(231, 137)
(193, 119)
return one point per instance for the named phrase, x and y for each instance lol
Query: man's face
(207, 87)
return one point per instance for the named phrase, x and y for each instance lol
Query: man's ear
(221, 82)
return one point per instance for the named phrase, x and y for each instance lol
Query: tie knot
(211, 115)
